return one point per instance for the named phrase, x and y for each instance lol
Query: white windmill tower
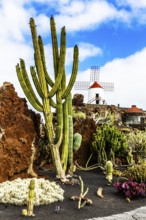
(95, 88)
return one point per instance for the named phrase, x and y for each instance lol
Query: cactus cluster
(137, 140)
(108, 142)
(47, 89)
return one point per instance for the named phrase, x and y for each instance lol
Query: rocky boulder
(78, 100)
(19, 131)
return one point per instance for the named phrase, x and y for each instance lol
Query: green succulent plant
(137, 141)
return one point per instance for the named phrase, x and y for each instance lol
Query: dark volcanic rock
(86, 127)
(78, 100)
(19, 127)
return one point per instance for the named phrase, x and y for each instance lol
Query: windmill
(95, 88)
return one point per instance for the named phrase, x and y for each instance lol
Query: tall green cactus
(47, 89)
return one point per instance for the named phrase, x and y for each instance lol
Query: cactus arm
(70, 145)
(52, 103)
(26, 79)
(32, 99)
(48, 79)
(69, 100)
(63, 82)
(38, 88)
(64, 156)
(60, 65)
(74, 73)
(41, 46)
(36, 82)
(59, 126)
(38, 60)
(54, 45)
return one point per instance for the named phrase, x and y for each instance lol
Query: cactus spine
(47, 89)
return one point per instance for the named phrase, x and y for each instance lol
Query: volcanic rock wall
(19, 129)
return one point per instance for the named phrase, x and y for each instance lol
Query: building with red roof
(96, 94)
(134, 115)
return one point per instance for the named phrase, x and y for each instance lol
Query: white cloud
(14, 21)
(43, 24)
(87, 15)
(80, 15)
(137, 10)
(86, 51)
(128, 75)
(9, 57)
(132, 3)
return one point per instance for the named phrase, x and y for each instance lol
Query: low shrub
(136, 172)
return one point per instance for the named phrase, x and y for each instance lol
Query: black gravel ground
(112, 203)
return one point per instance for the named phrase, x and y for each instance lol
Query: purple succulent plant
(131, 189)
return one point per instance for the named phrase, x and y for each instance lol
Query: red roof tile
(134, 109)
(95, 85)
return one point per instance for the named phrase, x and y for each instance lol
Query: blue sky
(110, 34)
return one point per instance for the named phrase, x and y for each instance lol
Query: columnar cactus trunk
(47, 89)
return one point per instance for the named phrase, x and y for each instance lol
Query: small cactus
(30, 200)
(130, 159)
(31, 195)
(109, 172)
